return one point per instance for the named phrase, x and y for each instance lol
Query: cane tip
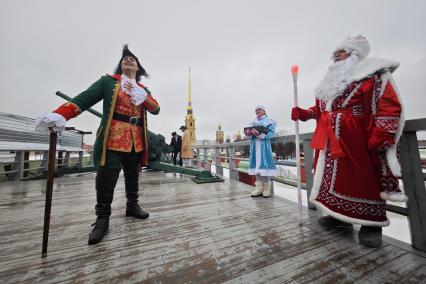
(294, 69)
(44, 254)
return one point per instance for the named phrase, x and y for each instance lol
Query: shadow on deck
(207, 233)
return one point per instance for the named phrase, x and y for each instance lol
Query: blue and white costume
(261, 160)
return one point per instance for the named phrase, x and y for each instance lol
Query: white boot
(266, 189)
(258, 190)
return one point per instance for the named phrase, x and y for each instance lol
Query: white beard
(336, 80)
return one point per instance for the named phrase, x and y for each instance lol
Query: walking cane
(49, 189)
(294, 72)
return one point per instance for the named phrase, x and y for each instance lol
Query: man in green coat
(121, 139)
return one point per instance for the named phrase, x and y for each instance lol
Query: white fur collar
(370, 65)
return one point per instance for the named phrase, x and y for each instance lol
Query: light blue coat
(261, 160)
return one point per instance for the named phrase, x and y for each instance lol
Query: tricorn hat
(182, 127)
(127, 52)
(174, 133)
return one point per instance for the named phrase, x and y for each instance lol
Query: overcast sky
(240, 53)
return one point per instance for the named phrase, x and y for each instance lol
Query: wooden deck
(208, 233)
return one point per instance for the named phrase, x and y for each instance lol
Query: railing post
(60, 166)
(272, 188)
(233, 174)
(219, 168)
(67, 159)
(80, 160)
(414, 187)
(197, 162)
(206, 160)
(43, 166)
(19, 166)
(309, 162)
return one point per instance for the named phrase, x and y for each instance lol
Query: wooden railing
(18, 138)
(413, 178)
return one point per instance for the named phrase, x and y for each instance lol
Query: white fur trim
(391, 152)
(319, 173)
(370, 65)
(393, 196)
(349, 219)
(358, 44)
(258, 170)
(262, 172)
(258, 146)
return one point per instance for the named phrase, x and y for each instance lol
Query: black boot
(105, 183)
(99, 231)
(330, 222)
(131, 180)
(136, 211)
(370, 236)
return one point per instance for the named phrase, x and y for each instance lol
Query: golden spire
(189, 91)
(189, 118)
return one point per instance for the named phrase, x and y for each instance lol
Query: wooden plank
(209, 233)
(414, 125)
(414, 187)
(397, 209)
(303, 268)
(406, 268)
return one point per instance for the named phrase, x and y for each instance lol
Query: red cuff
(68, 110)
(301, 114)
(380, 140)
(151, 104)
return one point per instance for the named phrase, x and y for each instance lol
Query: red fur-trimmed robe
(353, 177)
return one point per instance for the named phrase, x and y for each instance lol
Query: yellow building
(238, 136)
(189, 118)
(220, 136)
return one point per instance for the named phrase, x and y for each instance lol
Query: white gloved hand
(54, 120)
(261, 136)
(138, 95)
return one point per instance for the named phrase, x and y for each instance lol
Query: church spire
(189, 109)
(189, 118)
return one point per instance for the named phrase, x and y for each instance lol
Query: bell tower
(219, 135)
(189, 118)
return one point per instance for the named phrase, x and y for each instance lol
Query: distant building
(238, 137)
(220, 136)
